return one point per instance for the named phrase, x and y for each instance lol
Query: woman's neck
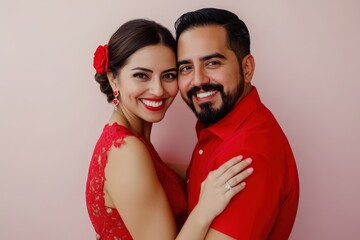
(132, 122)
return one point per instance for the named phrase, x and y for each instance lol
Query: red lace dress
(106, 221)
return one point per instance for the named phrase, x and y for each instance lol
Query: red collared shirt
(267, 207)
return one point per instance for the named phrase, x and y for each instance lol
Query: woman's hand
(221, 185)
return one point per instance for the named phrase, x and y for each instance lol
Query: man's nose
(200, 77)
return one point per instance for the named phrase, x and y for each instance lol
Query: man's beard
(209, 115)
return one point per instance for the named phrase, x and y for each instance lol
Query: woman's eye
(140, 75)
(169, 76)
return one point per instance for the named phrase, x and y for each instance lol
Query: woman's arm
(134, 189)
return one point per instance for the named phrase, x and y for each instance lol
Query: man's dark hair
(238, 37)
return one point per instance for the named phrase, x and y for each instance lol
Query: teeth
(152, 103)
(205, 94)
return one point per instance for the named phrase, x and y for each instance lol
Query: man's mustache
(205, 87)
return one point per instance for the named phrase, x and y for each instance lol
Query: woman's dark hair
(238, 37)
(130, 37)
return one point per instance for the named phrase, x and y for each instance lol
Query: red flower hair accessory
(101, 59)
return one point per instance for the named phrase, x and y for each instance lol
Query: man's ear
(248, 65)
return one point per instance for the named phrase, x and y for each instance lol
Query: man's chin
(205, 112)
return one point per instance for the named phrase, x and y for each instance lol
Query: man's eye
(184, 69)
(213, 63)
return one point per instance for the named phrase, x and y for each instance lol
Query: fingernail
(243, 184)
(250, 170)
(248, 160)
(239, 157)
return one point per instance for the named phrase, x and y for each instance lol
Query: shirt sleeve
(252, 213)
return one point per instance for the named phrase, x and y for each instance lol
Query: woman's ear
(248, 65)
(112, 81)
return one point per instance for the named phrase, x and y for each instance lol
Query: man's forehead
(201, 41)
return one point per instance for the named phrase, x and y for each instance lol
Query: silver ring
(227, 186)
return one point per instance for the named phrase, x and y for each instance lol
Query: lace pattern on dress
(107, 222)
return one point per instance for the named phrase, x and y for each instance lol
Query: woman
(130, 192)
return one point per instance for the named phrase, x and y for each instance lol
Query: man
(215, 72)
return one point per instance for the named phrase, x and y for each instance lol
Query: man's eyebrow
(207, 57)
(214, 55)
(183, 62)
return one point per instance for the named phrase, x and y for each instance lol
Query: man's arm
(252, 213)
(216, 235)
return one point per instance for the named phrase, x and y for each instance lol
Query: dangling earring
(116, 100)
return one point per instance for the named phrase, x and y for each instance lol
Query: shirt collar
(227, 125)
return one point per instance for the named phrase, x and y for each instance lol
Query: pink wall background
(307, 61)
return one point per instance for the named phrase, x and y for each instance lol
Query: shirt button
(201, 151)
(108, 210)
(98, 236)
